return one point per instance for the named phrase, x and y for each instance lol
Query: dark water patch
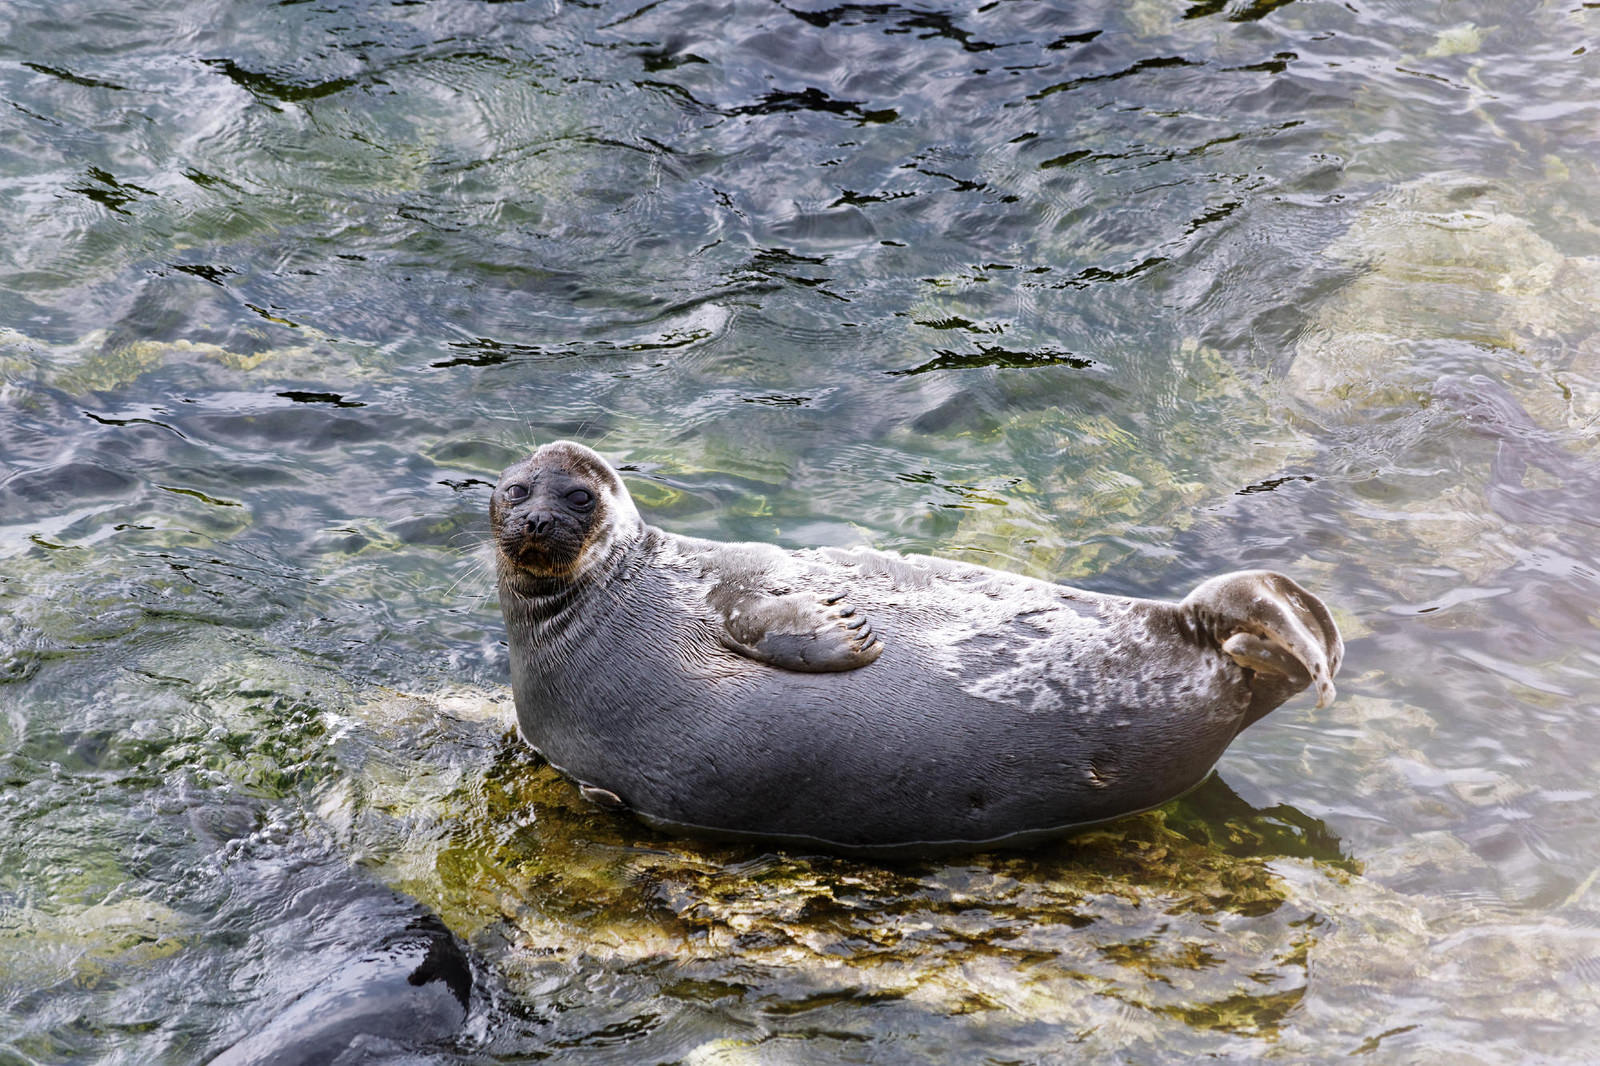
(105, 421)
(1236, 11)
(1276, 65)
(897, 20)
(1152, 63)
(780, 401)
(967, 496)
(956, 322)
(213, 274)
(813, 99)
(332, 398)
(997, 356)
(74, 79)
(1271, 484)
(267, 87)
(105, 190)
(1067, 159)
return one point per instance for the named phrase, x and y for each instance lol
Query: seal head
(559, 513)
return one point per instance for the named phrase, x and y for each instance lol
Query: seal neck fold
(544, 607)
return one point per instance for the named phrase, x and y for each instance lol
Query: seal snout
(538, 544)
(537, 526)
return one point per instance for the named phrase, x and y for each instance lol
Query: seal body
(857, 700)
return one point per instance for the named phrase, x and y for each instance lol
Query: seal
(863, 701)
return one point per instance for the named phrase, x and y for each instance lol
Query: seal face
(863, 701)
(558, 509)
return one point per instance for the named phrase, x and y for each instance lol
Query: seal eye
(580, 497)
(515, 493)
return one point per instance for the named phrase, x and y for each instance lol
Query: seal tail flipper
(1267, 623)
(1270, 657)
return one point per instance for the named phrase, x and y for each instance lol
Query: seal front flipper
(794, 631)
(1267, 623)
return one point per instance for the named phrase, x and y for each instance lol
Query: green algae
(85, 947)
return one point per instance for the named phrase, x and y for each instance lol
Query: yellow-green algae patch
(84, 945)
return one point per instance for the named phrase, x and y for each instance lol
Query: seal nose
(537, 525)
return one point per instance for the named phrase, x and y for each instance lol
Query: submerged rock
(410, 991)
(1144, 911)
(1445, 269)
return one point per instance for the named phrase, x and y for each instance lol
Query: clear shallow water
(1126, 295)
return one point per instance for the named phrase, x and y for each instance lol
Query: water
(1120, 293)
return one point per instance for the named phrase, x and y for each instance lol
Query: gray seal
(863, 701)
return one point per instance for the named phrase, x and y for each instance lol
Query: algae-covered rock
(1462, 321)
(1461, 40)
(84, 945)
(1132, 911)
(96, 363)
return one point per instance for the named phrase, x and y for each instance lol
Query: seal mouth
(545, 555)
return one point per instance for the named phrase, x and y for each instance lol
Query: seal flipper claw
(603, 798)
(1270, 625)
(797, 631)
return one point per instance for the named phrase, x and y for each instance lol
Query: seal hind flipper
(1266, 623)
(795, 631)
(1266, 657)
